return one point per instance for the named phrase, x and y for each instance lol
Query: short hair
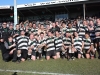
(36, 34)
(17, 24)
(22, 30)
(51, 31)
(41, 33)
(10, 37)
(67, 32)
(69, 23)
(87, 32)
(64, 22)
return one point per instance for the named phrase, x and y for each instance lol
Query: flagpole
(15, 14)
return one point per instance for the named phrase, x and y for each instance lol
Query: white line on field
(46, 73)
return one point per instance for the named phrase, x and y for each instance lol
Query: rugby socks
(73, 55)
(39, 55)
(29, 56)
(19, 57)
(63, 55)
(69, 55)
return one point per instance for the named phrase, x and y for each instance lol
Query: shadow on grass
(15, 73)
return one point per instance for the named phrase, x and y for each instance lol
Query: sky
(11, 2)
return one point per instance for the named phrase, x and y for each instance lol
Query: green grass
(78, 66)
(10, 73)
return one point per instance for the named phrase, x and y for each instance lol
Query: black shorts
(86, 51)
(58, 50)
(94, 41)
(51, 53)
(98, 43)
(33, 52)
(24, 53)
(79, 52)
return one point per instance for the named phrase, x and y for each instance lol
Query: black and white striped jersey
(63, 30)
(32, 43)
(17, 31)
(58, 42)
(92, 33)
(50, 43)
(97, 30)
(11, 32)
(67, 41)
(75, 27)
(78, 43)
(34, 30)
(22, 42)
(42, 41)
(87, 43)
(82, 30)
(71, 30)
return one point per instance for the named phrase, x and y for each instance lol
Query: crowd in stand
(68, 39)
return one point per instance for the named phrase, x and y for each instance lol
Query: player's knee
(19, 52)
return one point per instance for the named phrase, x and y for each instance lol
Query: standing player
(97, 33)
(17, 31)
(32, 47)
(4, 32)
(11, 30)
(82, 29)
(88, 46)
(22, 46)
(58, 44)
(41, 46)
(67, 41)
(70, 29)
(77, 45)
(64, 28)
(50, 46)
(34, 28)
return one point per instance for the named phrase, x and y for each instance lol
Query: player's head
(86, 34)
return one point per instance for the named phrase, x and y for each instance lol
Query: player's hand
(1, 40)
(14, 45)
(11, 52)
(32, 46)
(88, 51)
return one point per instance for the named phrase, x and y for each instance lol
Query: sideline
(32, 72)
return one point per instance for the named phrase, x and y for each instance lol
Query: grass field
(51, 67)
